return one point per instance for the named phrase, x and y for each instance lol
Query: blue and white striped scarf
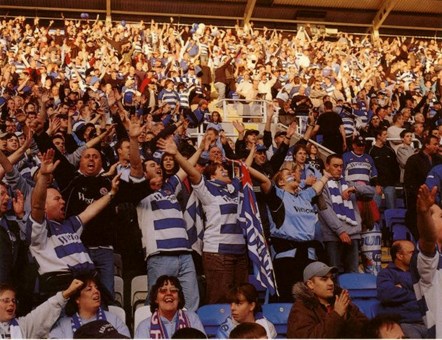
(76, 319)
(343, 208)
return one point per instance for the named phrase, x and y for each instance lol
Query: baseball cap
(317, 269)
(280, 133)
(98, 329)
(359, 141)
(260, 147)
(251, 132)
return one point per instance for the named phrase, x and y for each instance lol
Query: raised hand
(18, 204)
(115, 184)
(73, 287)
(167, 145)
(341, 303)
(425, 198)
(135, 128)
(238, 126)
(47, 162)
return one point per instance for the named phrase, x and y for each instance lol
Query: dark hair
(175, 169)
(7, 286)
(161, 281)
(379, 131)
(248, 291)
(332, 156)
(188, 333)
(298, 147)
(373, 327)
(427, 140)
(248, 330)
(328, 105)
(71, 306)
(404, 132)
(210, 169)
(120, 142)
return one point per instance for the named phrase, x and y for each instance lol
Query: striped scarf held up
(343, 208)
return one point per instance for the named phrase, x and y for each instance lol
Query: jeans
(221, 89)
(343, 256)
(183, 268)
(223, 271)
(390, 197)
(415, 330)
(103, 259)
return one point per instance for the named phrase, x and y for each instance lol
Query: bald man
(396, 293)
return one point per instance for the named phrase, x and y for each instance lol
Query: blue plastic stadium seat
(212, 316)
(359, 285)
(278, 314)
(401, 232)
(369, 307)
(394, 216)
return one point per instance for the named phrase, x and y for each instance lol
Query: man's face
(215, 155)
(358, 149)
(405, 254)
(408, 138)
(383, 137)
(4, 200)
(124, 151)
(433, 147)
(335, 167)
(90, 162)
(60, 145)
(55, 205)
(322, 286)
(260, 157)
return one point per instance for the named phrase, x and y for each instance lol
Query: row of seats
(362, 289)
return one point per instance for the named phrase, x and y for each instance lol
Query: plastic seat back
(278, 314)
(212, 316)
(359, 285)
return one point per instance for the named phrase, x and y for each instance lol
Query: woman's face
(168, 163)
(8, 305)
(167, 298)
(90, 297)
(301, 156)
(242, 310)
(313, 150)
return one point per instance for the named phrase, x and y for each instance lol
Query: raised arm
(194, 175)
(38, 199)
(136, 166)
(425, 223)
(97, 206)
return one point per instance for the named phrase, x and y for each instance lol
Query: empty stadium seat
(401, 232)
(212, 316)
(278, 314)
(143, 312)
(359, 285)
(369, 306)
(394, 216)
(363, 291)
(118, 265)
(119, 290)
(138, 291)
(118, 311)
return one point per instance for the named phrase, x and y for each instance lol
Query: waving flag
(252, 227)
(194, 223)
